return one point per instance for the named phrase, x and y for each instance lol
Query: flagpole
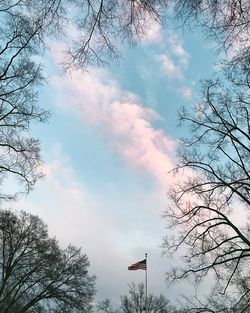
(146, 284)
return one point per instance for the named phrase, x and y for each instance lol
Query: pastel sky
(108, 149)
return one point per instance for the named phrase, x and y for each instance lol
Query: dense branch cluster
(36, 275)
(226, 22)
(136, 302)
(23, 28)
(203, 207)
(208, 208)
(104, 25)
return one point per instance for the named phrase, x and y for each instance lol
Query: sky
(108, 149)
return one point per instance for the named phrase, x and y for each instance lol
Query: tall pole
(146, 284)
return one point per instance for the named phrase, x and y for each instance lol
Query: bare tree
(104, 25)
(36, 275)
(136, 302)
(227, 22)
(233, 302)
(203, 206)
(24, 25)
(101, 25)
(106, 306)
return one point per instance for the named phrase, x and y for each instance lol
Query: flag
(142, 265)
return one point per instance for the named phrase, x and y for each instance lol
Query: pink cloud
(177, 49)
(186, 92)
(128, 125)
(153, 33)
(100, 225)
(174, 61)
(169, 67)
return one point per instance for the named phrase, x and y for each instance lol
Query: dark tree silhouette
(235, 301)
(106, 306)
(24, 25)
(227, 22)
(36, 275)
(203, 207)
(104, 25)
(135, 302)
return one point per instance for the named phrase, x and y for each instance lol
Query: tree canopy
(36, 275)
(213, 188)
(136, 302)
(203, 206)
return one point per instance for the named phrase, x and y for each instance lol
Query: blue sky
(107, 151)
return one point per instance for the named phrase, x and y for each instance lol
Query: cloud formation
(174, 59)
(129, 126)
(186, 92)
(169, 67)
(152, 33)
(100, 225)
(176, 48)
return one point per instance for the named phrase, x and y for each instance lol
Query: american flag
(141, 265)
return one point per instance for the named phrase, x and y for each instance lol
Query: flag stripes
(141, 265)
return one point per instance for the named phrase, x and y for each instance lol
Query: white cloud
(112, 234)
(177, 49)
(169, 68)
(186, 92)
(152, 33)
(174, 60)
(129, 126)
